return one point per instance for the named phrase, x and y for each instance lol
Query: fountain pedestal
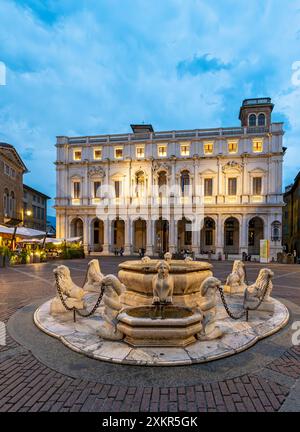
(174, 327)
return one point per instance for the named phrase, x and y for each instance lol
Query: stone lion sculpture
(113, 289)
(94, 277)
(162, 284)
(254, 293)
(208, 291)
(72, 294)
(167, 256)
(235, 282)
(145, 259)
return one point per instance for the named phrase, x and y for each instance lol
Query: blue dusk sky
(76, 67)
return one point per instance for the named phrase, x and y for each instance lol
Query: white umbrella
(29, 232)
(6, 230)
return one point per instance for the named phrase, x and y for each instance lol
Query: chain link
(235, 317)
(73, 308)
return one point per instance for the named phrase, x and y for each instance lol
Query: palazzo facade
(215, 191)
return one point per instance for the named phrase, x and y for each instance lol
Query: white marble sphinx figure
(208, 303)
(162, 284)
(254, 293)
(235, 282)
(94, 277)
(113, 289)
(146, 259)
(168, 256)
(72, 294)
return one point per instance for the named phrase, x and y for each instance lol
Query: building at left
(19, 204)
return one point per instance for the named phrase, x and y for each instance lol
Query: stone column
(150, 237)
(107, 236)
(128, 229)
(219, 236)
(243, 235)
(195, 238)
(172, 242)
(85, 234)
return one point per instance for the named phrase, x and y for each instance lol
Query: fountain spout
(162, 285)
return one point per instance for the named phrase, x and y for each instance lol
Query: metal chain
(235, 317)
(73, 308)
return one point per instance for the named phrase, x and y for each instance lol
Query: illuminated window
(162, 150)
(76, 189)
(233, 146)
(257, 185)
(118, 152)
(98, 153)
(140, 151)
(257, 145)
(232, 186)
(208, 147)
(77, 154)
(185, 149)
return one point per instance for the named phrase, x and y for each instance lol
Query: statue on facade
(235, 282)
(208, 303)
(71, 293)
(261, 288)
(162, 284)
(94, 277)
(113, 289)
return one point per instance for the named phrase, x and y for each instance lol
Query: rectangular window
(77, 154)
(140, 151)
(208, 187)
(232, 183)
(97, 154)
(232, 146)
(76, 189)
(97, 186)
(162, 150)
(185, 149)
(13, 173)
(117, 188)
(257, 185)
(6, 169)
(118, 152)
(208, 147)
(257, 145)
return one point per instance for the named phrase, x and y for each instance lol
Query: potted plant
(4, 256)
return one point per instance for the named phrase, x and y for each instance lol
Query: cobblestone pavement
(28, 385)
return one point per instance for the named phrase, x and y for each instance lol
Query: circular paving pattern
(239, 335)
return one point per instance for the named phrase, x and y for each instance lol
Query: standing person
(295, 256)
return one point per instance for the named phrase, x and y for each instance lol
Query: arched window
(140, 184)
(261, 120)
(6, 201)
(12, 203)
(252, 120)
(185, 182)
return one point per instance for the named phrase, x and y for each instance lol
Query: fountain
(162, 324)
(161, 312)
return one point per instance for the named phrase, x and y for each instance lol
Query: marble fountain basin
(168, 326)
(188, 276)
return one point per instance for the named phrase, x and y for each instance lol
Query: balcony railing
(170, 135)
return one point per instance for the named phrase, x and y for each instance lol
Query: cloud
(92, 67)
(200, 65)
